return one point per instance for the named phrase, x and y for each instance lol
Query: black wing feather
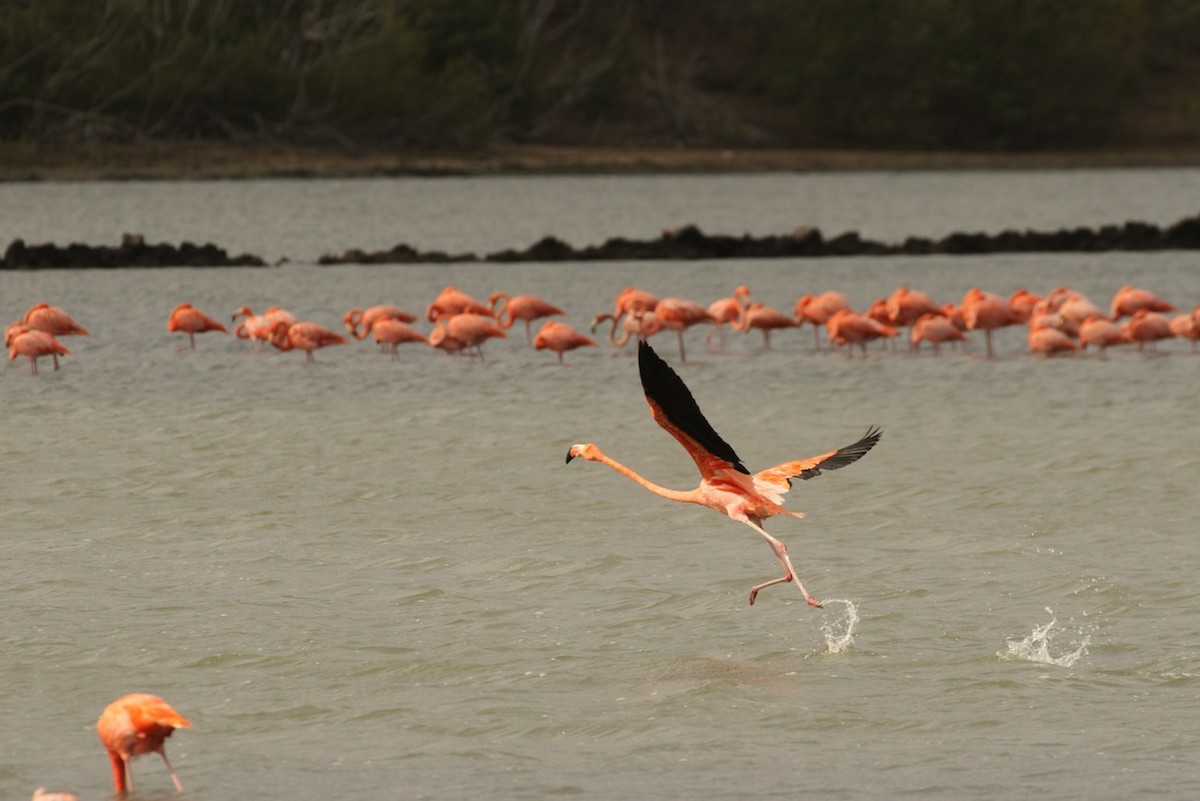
(667, 389)
(844, 456)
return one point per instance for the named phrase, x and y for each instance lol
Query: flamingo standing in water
(766, 319)
(390, 333)
(1129, 300)
(258, 327)
(679, 314)
(472, 330)
(726, 486)
(560, 337)
(520, 307)
(451, 301)
(304, 336)
(358, 322)
(52, 320)
(25, 341)
(187, 318)
(133, 725)
(727, 310)
(851, 328)
(640, 324)
(987, 311)
(817, 309)
(934, 329)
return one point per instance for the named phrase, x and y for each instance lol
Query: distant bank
(220, 160)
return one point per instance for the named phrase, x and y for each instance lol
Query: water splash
(838, 628)
(1037, 646)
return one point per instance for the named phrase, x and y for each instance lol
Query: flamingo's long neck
(683, 496)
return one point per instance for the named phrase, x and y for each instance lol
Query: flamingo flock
(1063, 321)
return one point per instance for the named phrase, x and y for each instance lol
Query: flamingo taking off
(187, 318)
(304, 336)
(560, 337)
(726, 486)
(520, 307)
(133, 725)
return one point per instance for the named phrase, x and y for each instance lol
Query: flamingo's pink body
(850, 328)
(304, 336)
(560, 337)
(633, 324)
(817, 309)
(1047, 340)
(986, 311)
(358, 322)
(258, 327)
(680, 314)
(1129, 300)
(191, 320)
(451, 301)
(472, 330)
(935, 329)
(133, 725)
(34, 344)
(52, 320)
(521, 307)
(1146, 327)
(1186, 326)
(766, 319)
(391, 332)
(1021, 303)
(1100, 333)
(631, 297)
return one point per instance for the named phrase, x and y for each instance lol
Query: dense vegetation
(970, 74)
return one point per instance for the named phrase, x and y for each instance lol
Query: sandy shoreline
(212, 160)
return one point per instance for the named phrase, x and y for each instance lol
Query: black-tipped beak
(570, 455)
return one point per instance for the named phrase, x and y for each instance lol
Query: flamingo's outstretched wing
(675, 410)
(779, 478)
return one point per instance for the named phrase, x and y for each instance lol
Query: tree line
(965, 74)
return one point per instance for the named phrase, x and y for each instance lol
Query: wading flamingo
(451, 301)
(766, 319)
(987, 311)
(257, 327)
(40, 794)
(1186, 326)
(358, 322)
(934, 329)
(52, 320)
(390, 333)
(727, 310)
(679, 314)
(726, 486)
(1129, 300)
(472, 330)
(520, 307)
(1146, 327)
(560, 337)
(187, 318)
(850, 328)
(304, 336)
(640, 324)
(817, 309)
(133, 725)
(1101, 333)
(25, 341)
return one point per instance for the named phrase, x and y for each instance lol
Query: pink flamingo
(1146, 327)
(1186, 326)
(32, 343)
(520, 307)
(817, 309)
(451, 301)
(680, 314)
(391, 332)
(726, 486)
(304, 336)
(258, 327)
(935, 329)
(186, 317)
(52, 320)
(560, 337)
(133, 725)
(850, 328)
(1102, 333)
(764, 318)
(1047, 340)
(727, 310)
(472, 330)
(640, 324)
(987, 311)
(358, 322)
(1128, 300)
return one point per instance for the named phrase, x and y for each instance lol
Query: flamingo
(258, 327)
(1129, 299)
(451, 301)
(817, 309)
(1021, 303)
(726, 486)
(765, 319)
(630, 296)
(851, 328)
(1147, 326)
(727, 310)
(679, 314)
(187, 318)
(390, 333)
(356, 318)
(52, 320)
(133, 725)
(520, 307)
(25, 341)
(984, 310)
(641, 324)
(1186, 326)
(1047, 340)
(560, 337)
(1101, 332)
(40, 794)
(905, 306)
(472, 330)
(304, 336)
(935, 329)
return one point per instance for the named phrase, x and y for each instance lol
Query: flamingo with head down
(726, 486)
(191, 320)
(520, 307)
(560, 337)
(133, 725)
(304, 336)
